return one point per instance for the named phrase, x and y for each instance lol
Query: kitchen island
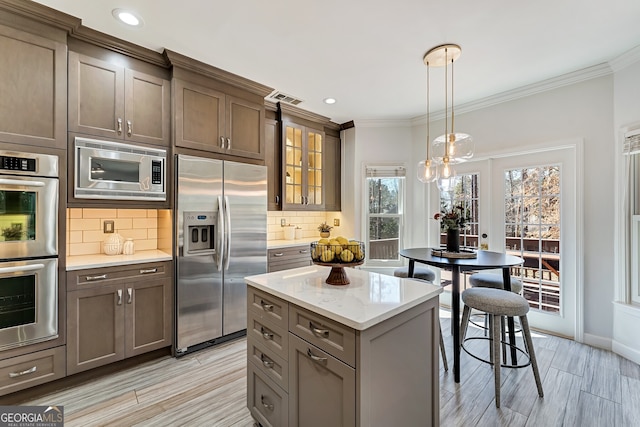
(364, 354)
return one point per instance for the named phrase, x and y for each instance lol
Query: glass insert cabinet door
(303, 161)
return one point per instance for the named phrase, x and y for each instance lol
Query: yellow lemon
(323, 241)
(346, 256)
(327, 256)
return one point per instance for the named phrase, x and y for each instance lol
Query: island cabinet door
(322, 389)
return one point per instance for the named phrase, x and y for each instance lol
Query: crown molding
(41, 13)
(290, 110)
(628, 58)
(585, 74)
(181, 61)
(383, 123)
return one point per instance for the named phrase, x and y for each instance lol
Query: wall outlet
(336, 222)
(107, 227)
(283, 222)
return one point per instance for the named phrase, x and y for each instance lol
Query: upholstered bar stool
(428, 275)
(498, 303)
(495, 281)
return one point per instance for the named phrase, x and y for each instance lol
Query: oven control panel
(17, 164)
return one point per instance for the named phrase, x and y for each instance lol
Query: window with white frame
(632, 153)
(385, 213)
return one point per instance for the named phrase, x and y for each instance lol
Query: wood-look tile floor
(583, 386)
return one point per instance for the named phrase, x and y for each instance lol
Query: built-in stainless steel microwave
(112, 170)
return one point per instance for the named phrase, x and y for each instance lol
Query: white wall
(626, 96)
(583, 110)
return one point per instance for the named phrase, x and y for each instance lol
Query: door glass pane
(462, 191)
(532, 231)
(17, 301)
(17, 215)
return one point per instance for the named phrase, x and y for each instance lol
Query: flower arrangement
(453, 218)
(324, 227)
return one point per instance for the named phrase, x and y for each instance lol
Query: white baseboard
(632, 354)
(597, 341)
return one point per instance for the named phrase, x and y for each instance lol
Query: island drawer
(326, 334)
(268, 403)
(269, 335)
(266, 306)
(269, 363)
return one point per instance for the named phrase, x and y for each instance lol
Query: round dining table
(484, 260)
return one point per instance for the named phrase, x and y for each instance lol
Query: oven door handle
(20, 182)
(18, 268)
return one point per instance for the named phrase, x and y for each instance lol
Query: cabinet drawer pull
(119, 292)
(149, 270)
(322, 333)
(21, 373)
(268, 363)
(277, 200)
(129, 295)
(222, 142)
(266, 334)
(265, 306)
(267, 406)
(102, 276)
(228, 143)
(119, 125)
(129, 128)
(316, 358)
(304, 251)
(278, 255)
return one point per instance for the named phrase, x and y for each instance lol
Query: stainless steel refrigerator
(221, 237)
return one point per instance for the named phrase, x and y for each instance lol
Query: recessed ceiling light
(128, 17)
(329, 100)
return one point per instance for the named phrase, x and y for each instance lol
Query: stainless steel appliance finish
(111, 170)
(28, 248)
(221, 229)
(28, 302)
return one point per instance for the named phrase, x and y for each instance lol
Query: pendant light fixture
(451, 147)
(427, 169)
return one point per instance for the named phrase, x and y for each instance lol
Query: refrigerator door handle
(220, 235)
(227, 232)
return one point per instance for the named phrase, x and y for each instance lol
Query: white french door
(528, 207)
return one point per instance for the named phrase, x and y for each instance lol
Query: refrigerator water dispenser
(199, 233)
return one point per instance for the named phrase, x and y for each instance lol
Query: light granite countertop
(101, 260)
(369, 299)
(279, 244)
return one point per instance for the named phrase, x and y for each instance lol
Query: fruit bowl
(337, 253)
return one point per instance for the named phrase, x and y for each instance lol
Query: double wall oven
(29, 188)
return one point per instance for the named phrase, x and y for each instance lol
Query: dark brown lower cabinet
(107, 322)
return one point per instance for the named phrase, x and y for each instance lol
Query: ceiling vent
(283, 97)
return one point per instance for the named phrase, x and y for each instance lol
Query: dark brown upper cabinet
(210, 120)
(216, 111)
(33, 88)
(118, 103)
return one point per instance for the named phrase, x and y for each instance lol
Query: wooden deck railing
(383, 249)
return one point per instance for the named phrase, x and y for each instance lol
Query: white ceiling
(368, 53)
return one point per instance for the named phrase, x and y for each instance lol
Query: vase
(453, 240)
(325, 234)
